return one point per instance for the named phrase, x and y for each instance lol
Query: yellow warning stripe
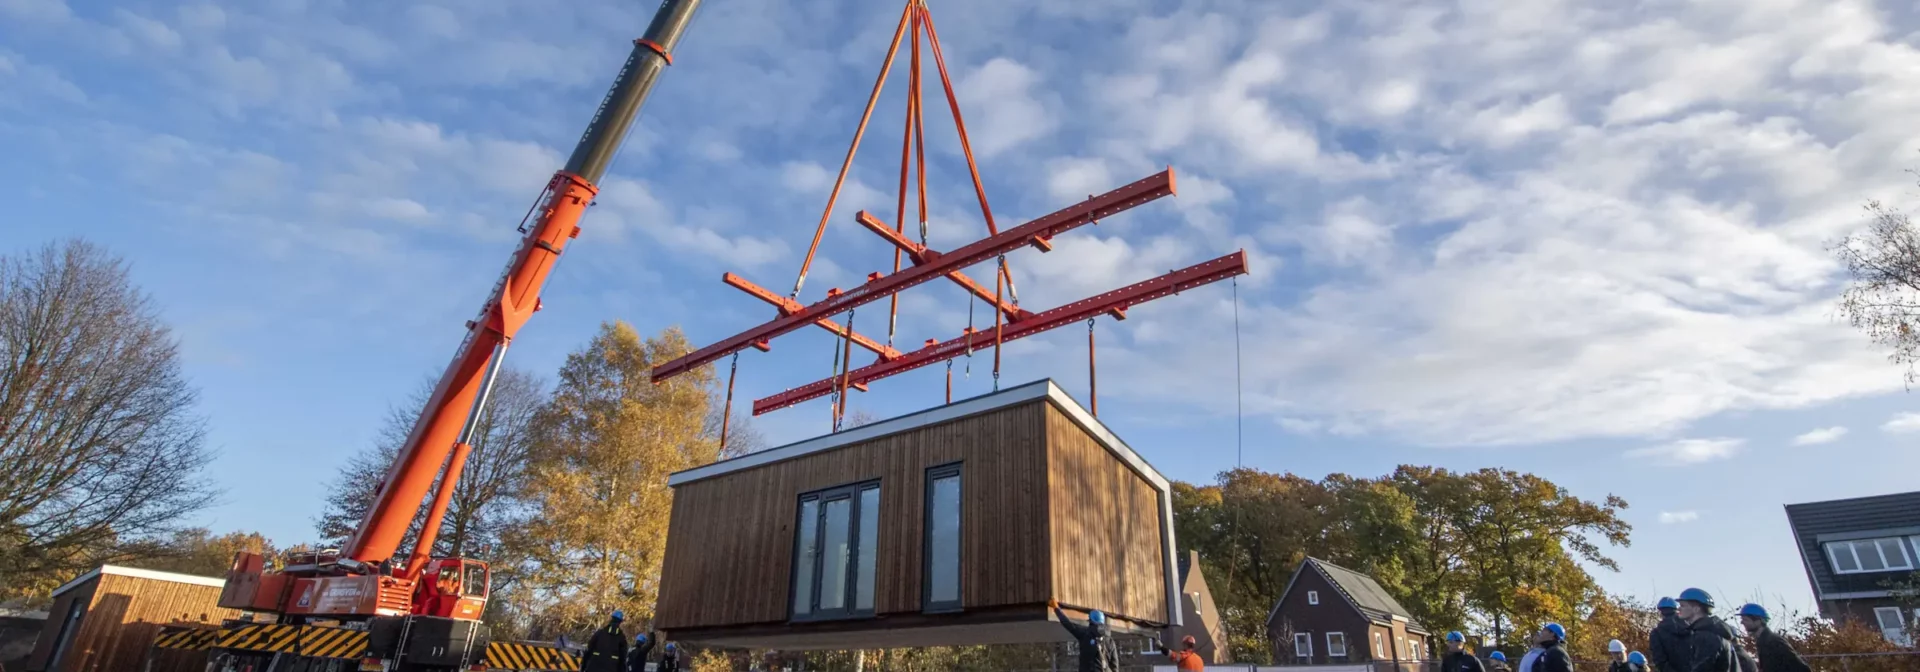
(512, 656)
(196, 639)
(307, 640)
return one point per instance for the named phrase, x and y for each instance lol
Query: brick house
(1332, 615)
(1853, 549)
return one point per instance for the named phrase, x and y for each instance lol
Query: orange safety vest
(1187, 661)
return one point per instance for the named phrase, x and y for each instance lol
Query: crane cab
(453, 588)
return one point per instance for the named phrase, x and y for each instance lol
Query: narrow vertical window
(943, 538)
(866, 543)
(834, 552)
(806, 550)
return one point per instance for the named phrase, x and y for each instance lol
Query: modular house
(1853, 549)
(950, 526)
(106, 620)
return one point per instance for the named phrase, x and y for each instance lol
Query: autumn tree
(488, 493)
(597, 493)
(1883, 298)
(102, 452)
(200, 552)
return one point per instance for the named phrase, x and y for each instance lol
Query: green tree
(597, 493)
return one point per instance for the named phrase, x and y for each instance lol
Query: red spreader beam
(1115, 301)
(1042, 229)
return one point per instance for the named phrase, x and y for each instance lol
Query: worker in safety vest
(1185, 659)
(607, 651)
(1458, 659)
(1097, 653)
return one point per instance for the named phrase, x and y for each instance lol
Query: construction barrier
(329, 642)
(510, 656)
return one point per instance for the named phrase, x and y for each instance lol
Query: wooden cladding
(1107, 550)
(1045, 512)
(730, 543)
(121, 616)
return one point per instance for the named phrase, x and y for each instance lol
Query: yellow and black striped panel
(306, 640)
(195, 639)
(511, 656)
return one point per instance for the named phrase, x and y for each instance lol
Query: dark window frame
(928, 605)
(851, 492)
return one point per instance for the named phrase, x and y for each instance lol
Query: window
(1891, 625)
(1303, 645)
(834, 552)
(943, 539)
(1379, 647)
(475, 583)
(1336, 645)
(1313, 597)
(1869, 555)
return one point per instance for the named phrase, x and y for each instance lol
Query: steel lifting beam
(1067, 219)
(921, 254)
(789, 306)
(1119, 299)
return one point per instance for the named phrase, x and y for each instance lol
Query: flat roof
(1039, 389)
(136, 572)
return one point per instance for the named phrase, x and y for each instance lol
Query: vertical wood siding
(125, 614)
(1106, 527)
(729, 555)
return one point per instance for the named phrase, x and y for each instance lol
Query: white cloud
(1689, 451)
(1001, 99)
(1902, 423)
(1674, 517)
(1820, 436)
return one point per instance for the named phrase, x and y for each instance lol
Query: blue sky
(1583, 239)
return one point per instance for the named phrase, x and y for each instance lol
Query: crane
(364, 603)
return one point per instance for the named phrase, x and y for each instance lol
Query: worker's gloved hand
(1053, 603)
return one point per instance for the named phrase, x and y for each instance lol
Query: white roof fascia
(138, 573)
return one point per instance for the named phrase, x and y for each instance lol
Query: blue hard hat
(1636, 658)
(670, 647)
(1096, 617)
(1668, 603)
(1455, 636)
(640, 638)
(1559, 631)
(1754, 610)
(1498, 656)
(1697, 595)
(619, 615)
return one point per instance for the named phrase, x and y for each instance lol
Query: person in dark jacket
(1636, 662)
(607, 651)
(1710, 641)
(1457, 658)
(1553, 650)
(1497, 662)
(670, 658)
(642, 647)
(1776, 655)
(1667, 646)
(1097, 653)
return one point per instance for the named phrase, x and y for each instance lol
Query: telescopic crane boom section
(439, 440)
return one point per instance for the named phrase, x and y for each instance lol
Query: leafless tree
(1884, 297)
(742, 436)
(488, 491)
(100, 453)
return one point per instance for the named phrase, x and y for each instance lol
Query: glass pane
(803, 565)
(943, 563)
(1895, 555)
(869, 540)
(1842, 553)
(833, 556)
(1869, 555)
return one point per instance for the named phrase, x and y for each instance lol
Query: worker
(1616, 654)
(1533, 653)
(607, 651)
(1553, 650)
(1497, 662)
(1667, 645)
(1709, 640)
(642, 647)
(1457, 658)
(1097, 653)
(1776, 655)
(1185, 659)
(1636, 662)
(669, 658)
